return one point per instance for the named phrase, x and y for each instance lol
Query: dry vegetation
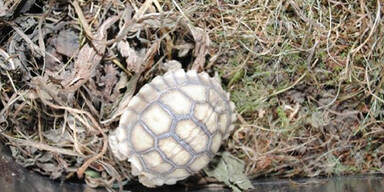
(307, 77)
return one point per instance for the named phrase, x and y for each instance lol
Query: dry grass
(306, 76)
(307, 80)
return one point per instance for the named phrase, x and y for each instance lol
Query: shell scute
(173, 127)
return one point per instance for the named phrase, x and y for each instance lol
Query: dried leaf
(121, 84)
(89, 57)
(183, 47)
(134, 59)
(58, 137)
(201, 47)
(48, 91)
(8, 7)
(43, 89)
(123, 103)
(108, 81)
(52, 169)
(67, 43)
(318, 119)
(3, 9)
(230, 170)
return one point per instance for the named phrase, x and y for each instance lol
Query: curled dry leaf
(133, 59)
(58, 136)
(8, 7)
(89, 57)
(184, 49)
(5, 59)
(109, 80)
(122, 105)
(201, 47)
(47, 90)
(4, 10)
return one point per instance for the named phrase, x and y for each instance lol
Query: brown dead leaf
(46, 90)
(67, 43)
(4, 10)
(264, 162)
(5, 59)
(58, 137)
(51, 62)
(51, 169)
(121, 106)
(133, 59)
(8, 7)
(150, 54)
(109, 80)
(201, 47)
(120, 85)
(89, 57)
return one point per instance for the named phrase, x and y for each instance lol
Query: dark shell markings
(173, 127)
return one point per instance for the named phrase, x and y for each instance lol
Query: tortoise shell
(173, 127)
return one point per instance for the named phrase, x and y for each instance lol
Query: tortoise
(173, 127)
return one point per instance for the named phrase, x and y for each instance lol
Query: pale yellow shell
(173, 127)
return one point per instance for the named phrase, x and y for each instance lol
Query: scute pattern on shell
(173, 127)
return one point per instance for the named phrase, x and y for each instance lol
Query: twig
(41, 38)
(285, 89)
(12, 83)
(377, 19)
(82, 19)
(334, 99)
(7, 58)
(369, 86)
(42, 146)
(82, 169)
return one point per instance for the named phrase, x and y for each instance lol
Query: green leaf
(236, 77)
(92, 173)
(230, 170)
